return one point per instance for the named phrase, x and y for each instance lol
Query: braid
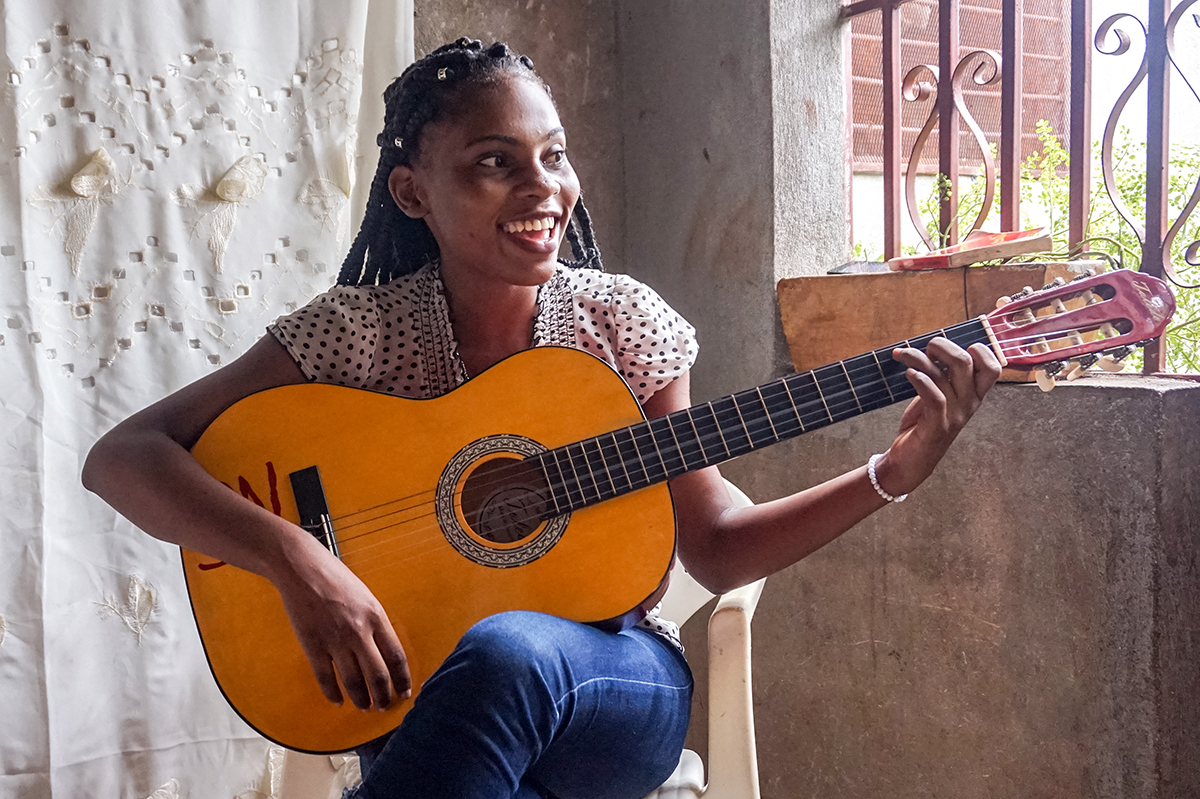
(391, 244)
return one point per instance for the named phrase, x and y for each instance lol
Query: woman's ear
(404, 188)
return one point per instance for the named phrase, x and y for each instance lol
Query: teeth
(529, 224)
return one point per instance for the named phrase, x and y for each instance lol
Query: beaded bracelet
(875, 481)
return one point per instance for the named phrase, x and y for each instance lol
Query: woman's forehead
(511, 108)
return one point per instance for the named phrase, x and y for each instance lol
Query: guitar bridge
(313, 508)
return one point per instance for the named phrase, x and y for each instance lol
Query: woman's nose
(541, 183)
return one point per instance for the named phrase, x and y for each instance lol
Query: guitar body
(393, 471)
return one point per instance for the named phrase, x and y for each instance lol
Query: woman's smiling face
(493, 183)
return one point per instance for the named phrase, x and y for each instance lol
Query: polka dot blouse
(397, 339)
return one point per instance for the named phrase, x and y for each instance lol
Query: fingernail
(406, 694)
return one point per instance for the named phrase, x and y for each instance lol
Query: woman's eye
(492, 160)
(556, 157)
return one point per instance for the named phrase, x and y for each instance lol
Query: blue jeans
(531, 706)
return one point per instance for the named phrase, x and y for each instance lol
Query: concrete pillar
(734, 168)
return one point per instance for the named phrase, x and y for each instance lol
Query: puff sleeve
(333, 338)
(650, 342)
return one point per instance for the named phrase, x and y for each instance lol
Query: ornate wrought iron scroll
(981, 67)
(1113, 38)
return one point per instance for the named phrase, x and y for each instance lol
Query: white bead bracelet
(875, 481)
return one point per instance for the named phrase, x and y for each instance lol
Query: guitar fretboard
(590, 471)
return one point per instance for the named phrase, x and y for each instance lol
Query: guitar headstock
(1073, 326)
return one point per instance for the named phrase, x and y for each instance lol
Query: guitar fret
(883, 376)
(621, 460)
(587, 462)
(724, 443)
(756, 434)
(575, 475)
(668, 450)
(603, 461)
(550, 485)
(817, 383)
(648, 432)
(637, 453)
(781, 415)
(699, 441)
(579, 473)
(726, 412)
(846, 372)
(767, 410)
(792, 402)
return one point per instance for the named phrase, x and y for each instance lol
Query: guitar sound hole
(504, 500)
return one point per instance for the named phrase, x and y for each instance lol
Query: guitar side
(381, 459)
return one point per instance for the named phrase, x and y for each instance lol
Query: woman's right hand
(343, 631)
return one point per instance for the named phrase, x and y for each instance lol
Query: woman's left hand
(951, 383)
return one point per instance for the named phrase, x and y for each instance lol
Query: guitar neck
(596, 469)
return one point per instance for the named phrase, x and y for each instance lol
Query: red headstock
(1101, 313)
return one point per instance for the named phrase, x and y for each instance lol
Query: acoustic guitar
(497, 497)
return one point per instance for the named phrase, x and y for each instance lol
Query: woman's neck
(491, 320)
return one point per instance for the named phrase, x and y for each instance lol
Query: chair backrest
(685, 596)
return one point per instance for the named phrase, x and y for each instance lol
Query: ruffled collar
(444, 368)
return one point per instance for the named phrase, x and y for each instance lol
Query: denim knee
(511, 647)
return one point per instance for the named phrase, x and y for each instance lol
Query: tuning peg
(1082, 367)
(1045, 382)
(1055, 283)
(1110, 364)
(1002, 301)
(1087, 272)
(1114, 360)
(1108, 331)
(1057, 306)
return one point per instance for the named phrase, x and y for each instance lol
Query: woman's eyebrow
(511, 139)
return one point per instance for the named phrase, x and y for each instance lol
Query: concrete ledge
(1024, 626)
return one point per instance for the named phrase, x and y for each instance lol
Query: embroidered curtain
(173, 175)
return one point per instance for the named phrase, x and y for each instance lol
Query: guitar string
(563, 486)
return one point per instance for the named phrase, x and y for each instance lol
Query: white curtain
(173, 175)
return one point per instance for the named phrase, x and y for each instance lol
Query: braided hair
(390, 243)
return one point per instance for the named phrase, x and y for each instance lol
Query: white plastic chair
(732, 755)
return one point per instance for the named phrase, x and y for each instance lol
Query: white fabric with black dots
(397, 339)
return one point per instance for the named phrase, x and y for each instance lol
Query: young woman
(455, 269)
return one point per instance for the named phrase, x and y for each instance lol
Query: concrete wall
(1025, 625)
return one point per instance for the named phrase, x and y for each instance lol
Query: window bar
(947, 120)
(1011, 89)
(1081, 121)
(892, 130)
(1157, 150)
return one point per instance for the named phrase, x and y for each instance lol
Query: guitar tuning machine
(1082, 366)
(1055, 283)
(1114, 360)
(1085, 274)
(1045, 375)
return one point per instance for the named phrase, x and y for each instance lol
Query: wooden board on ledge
(827, 318)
